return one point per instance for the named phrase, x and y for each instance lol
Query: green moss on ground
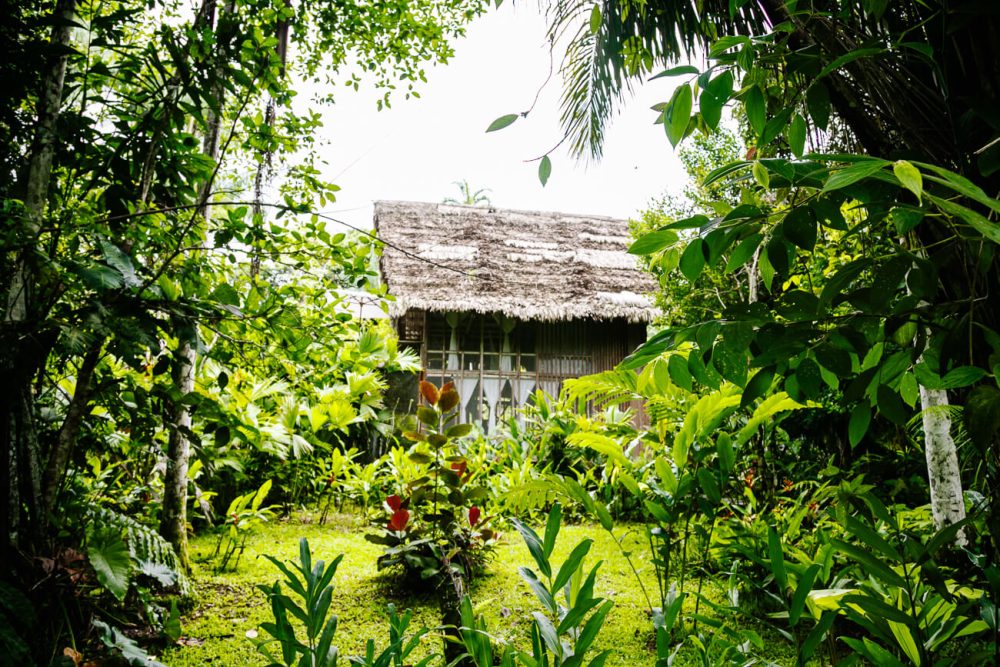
(229, 607)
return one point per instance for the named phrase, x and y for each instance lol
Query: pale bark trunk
(173, 516)
(947, 500)
(173, 520)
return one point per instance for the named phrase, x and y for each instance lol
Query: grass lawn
(229, 606)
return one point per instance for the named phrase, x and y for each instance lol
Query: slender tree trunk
(70, 430)
(21, 474)
(947, 500)
(173, 516)
(173, 519)
(452, 587)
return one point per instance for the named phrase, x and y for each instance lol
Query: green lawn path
(229, 607)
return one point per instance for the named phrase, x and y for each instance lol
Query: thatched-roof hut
(507, 302)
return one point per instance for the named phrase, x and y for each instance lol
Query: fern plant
(120, 547)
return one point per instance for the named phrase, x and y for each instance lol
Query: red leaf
(429, 392)
(399, 520)
(459, 467)
(448, 399)
(394, 502)
(474, 515)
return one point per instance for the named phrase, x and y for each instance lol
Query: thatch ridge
(532, 265)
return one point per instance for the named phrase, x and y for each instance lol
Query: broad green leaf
(427, 415)
(709, 485)
(541, 592)
(908, 389)
(850, 175)
(743, 252)
(870, 563)
(258, 498)
(680, 70)
(677, 366)
(756, 109)
(534, 545)
(796, 135)
(502, 122)
(545, 169)
(677, 115)
(108, 555)
(459, 430)
(723, 171)
(802, 589)
(693, 259)
(890, 405)
(963, 376)
(724, 448)
(757, 386)
(861, 416)
(694, 222)
(571, 563)
(760, 174)
(652, 242)
(552, 525)
(714, 97)
(910, 177)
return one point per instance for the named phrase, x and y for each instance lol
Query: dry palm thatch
(523, 264)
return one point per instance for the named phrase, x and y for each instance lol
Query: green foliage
(312, 586)
(110, 559)
(125, 647)
(438, 527)
(565, 630)
(244, 514)
(477, 641)
(400, 645)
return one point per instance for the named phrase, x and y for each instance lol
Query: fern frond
(151, 554)
(529, 496)
(607, 388)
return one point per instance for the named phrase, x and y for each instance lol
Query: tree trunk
(173, 519)
(947, 500)
(452, 587)
(21, 474)
(70, 430)
(173, 516)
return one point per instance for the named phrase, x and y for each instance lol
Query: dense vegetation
(817, 481)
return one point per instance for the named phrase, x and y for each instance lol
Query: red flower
(394, 502)
(399, 520)
(459, 467)
(474, 514)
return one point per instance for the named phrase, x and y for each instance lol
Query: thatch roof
(524, 264)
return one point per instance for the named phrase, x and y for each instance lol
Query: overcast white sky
(419, 147)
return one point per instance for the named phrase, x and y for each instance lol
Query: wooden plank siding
(497, 363)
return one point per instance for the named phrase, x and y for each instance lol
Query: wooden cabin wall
(542, 355)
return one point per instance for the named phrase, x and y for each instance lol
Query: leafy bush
(436, 527)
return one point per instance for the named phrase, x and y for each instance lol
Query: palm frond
(600, 67)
